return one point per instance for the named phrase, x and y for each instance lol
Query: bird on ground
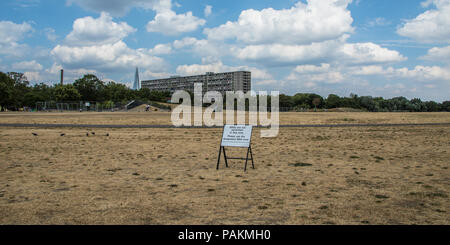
(107, 134)
(93, 133)
(87, 134)
(35, 134)
(62, 134)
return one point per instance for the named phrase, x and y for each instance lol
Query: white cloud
(418, 73)
(10, 35)
(438, 54)
(313, 74)
(147, 75)
(187, 41)
(316, 21)
(333, 50)
(14, 49)
(196, 69)
(160, 49)
(309, 84)
(424, 73)
(11, 32)
(53, 73)
(311, 32)
(379, 21)
(103, 30)
(330, 77)
(394, 86)
(33, 75)
(97, 46)
(289, 37)
(369, 70)
(50, 34)
(203, 47)
(312, 68)
(208, 10)
(280, 53)
(266, 82)
(432, 26)
(168, 22)
(333, 78)
(107, 57)
(54, 69)
(27, 66)
(360, 53)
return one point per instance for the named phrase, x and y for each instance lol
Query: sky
(366, 47)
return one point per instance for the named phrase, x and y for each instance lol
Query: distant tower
(137, 84)
(62, 77)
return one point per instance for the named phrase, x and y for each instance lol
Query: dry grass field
(163, 118)
(355, 175)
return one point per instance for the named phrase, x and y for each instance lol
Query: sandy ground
(163, 118)
(370, 175)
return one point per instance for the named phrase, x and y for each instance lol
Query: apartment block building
(221, 82)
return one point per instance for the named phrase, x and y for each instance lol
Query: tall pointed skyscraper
(137, 84)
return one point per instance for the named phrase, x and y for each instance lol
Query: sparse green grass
(348, 119)
(300, 164)
(429, 194)
(381, 196)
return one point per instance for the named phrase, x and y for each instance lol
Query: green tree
(17, 93)
(431, 106)
(301, 100)
(367, 102)
(285, 101)
(445, 106)
(333, 101)
(66, 93)
(90, 88)
(116, 92)
(6, 90)
(38, 93)
(316, 102)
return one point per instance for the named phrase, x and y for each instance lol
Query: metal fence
(77, 106)
(109, 106)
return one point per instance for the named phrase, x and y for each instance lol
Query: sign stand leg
(246, 159)
(218, 158)
(225, 156)
(251, 154)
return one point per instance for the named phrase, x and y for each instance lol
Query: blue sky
(368, 47)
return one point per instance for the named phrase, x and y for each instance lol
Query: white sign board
(236, 135)
(88, 104)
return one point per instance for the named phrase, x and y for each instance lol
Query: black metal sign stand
(249, 150)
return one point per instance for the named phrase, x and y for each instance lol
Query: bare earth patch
(371, 175)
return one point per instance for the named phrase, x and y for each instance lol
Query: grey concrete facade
(221, 82)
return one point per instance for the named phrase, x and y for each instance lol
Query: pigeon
(93, 133)
(62, 134)
(107, 134)
(35, 134)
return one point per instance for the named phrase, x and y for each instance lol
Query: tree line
(366, 103)
(16, 92)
